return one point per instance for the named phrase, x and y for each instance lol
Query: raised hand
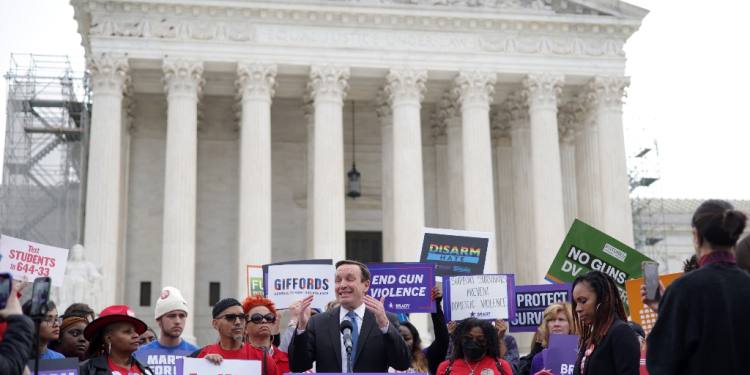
(294, 310)
(304, 312)
(377, 308)
(654, 305)
(501, 328)
(437, 294)
(276, 328)
(451, 327)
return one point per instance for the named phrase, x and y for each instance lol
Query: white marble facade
(221, 132)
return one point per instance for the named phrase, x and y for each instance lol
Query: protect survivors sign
(162, 362)
(585, 249)
(291, 282)
(23, 258)
(456, 252)
(407, 287)
(532, 300)
(486, 297)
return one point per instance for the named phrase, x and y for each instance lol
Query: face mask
(472, 350)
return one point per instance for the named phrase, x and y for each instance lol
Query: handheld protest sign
(456, 252)
(60, 366)
(287, 283)
(305, 261)
(487, 297)
(639, 312)
(24, 258)
(532, 300)
(562, 354)
(407, 287)
(201, 366)
(585, 248)
(255, 281)
(162, 361)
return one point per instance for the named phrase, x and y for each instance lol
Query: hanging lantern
(354, 176)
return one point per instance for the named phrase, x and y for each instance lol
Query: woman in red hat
(113, 338)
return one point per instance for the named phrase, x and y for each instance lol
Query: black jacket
(618, 353)
(703, 325)
(18, 341)
(321, 342)
(99, 366)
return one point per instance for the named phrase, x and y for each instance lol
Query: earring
(597, 309)
(110, 348)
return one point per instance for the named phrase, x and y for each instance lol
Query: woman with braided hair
(476, 351)
(607, 344)
(702, 327)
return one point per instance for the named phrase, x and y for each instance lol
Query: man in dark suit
(376, 333)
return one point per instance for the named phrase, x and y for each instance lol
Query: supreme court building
(222, 136)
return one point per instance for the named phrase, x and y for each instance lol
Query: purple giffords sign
(407, 287)
(532, 300)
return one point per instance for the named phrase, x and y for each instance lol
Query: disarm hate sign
(456, 252)
(532, 300)
(586, 248)
(486, 297)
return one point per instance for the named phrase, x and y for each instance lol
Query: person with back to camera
(743, 253)
(703, 326)
(18, 339)
(607, 344)
(476, 350)
(376, 334)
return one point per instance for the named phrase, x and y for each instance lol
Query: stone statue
(83, 282)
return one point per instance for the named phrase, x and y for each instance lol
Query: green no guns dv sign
(586, 248)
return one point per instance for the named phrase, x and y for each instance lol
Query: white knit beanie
(170, 300)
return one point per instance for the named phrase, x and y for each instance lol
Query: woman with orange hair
(262, 316)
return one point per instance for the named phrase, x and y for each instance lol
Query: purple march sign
(532, 300)
(162, 361)
(407, 287)
(562, 354)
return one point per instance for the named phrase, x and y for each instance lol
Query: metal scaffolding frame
(644, 175)
(47, 116)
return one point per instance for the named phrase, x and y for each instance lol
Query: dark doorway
(366, 247)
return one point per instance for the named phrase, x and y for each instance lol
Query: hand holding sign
(378, 309)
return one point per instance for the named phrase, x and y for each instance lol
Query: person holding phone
(607, 344)
(18, 338)
(702, 327)
(113, 338)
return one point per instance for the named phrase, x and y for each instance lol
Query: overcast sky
(690, 87)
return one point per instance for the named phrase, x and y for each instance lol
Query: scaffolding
(644, 175)
(48, 109)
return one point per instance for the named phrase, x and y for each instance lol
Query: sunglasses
(257, 318)
(231, 318)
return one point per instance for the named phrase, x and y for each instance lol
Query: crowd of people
(701, 326)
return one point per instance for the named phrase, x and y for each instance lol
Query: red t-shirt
(117, 370)
(486, 366)
(247, 351)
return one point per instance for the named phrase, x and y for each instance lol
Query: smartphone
(40, 297)
(651, 280)
(6, 285)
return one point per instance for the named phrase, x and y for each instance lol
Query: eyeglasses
(51, 321)
(479, 340)
(257, 318)
(231, 318)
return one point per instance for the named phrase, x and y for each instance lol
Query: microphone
(346, 330)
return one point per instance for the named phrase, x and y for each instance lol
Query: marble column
(183, 81)
(255, 85)
(328, 87)
(308, 109)
(517, 114)
(109, 77)
(442, 179)
(542, 93)
(385, 115)
(452, 119)
(501, 141)
(474, 91)
(606, 94)
(406, 88)
(566, 123)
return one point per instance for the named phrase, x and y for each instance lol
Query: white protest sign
(23, 258)
(480, 296)
(202, 366)
(291, 282)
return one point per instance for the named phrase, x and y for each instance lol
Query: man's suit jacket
(375, 352)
